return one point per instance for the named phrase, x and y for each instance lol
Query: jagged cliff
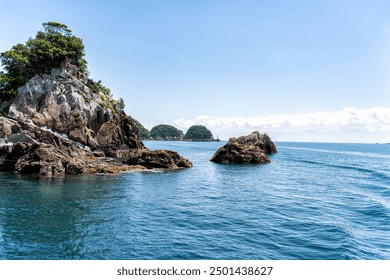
(59, 124)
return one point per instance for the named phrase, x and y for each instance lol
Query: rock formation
(159, 159)
(252, 148)
(58, 125)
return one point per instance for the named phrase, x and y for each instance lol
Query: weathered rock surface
(252, 148)
(57, 125)
(64, 103)
(159, 159)
(42, 159)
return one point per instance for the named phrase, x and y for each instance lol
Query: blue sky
(299, 70)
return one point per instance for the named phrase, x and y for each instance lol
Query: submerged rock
(252, 148)
(58, 125)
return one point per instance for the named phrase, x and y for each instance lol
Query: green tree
(97, 87)
(49, 49)
(121, 103)
(16, 66)
(56, 28)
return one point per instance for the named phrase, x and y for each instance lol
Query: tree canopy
(49, 49)
(199, 133)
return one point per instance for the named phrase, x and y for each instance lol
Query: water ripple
(314, 201)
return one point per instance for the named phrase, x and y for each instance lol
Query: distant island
(166, 132)
(170, 133)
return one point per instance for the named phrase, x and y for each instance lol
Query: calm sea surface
(314, 201)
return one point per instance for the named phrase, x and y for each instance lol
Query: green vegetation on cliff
(199, 133)
(49, 49)
(97, 87)
(166, 132)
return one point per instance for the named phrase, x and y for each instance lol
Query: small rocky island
(57, 120)
(199, 133)
(253, 148)
(166, 132)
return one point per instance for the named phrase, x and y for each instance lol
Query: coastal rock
(38, 158)
(28, 132)
(161, 159)
(7, 127)
(10, 154)
(57, 125)
(46, 160)
(252, 148)
(64, 103)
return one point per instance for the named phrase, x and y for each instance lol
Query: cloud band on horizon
(349, 119)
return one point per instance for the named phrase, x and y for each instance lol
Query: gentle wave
(306, 204)
(350, 153)
(348, 167)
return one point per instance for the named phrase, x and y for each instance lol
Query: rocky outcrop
(58, 125)
(42, 159)
(47, 160)
(159, 159)
(252, 148)
(65, 103)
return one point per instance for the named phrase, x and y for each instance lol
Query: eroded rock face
(47, 160)
(57, 126)
(161, 159)
(64, 103)
(252, 148)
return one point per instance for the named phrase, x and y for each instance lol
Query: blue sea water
(314, 201)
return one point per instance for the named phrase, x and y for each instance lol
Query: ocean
(320, 201)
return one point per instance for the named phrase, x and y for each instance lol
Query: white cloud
(347, 120)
